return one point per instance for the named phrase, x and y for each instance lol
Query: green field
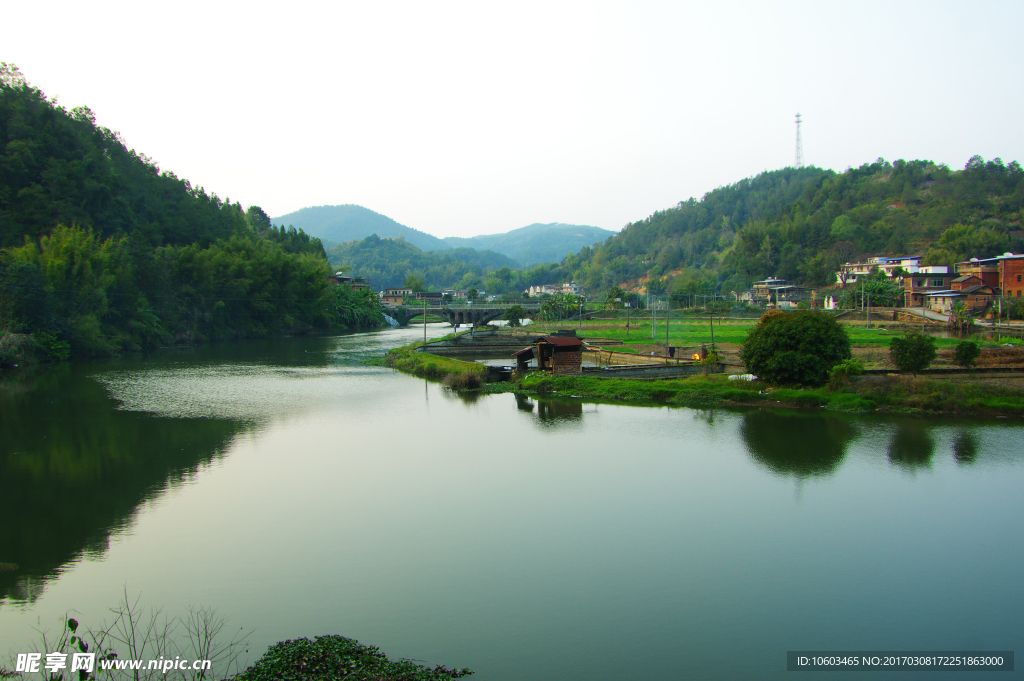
(689, 331)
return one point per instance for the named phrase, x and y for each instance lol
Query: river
(300, 492)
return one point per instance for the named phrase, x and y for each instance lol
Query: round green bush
(795, 348)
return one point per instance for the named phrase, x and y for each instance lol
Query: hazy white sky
(463, 118)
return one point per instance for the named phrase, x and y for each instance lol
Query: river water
(300, 492)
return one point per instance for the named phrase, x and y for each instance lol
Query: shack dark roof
(523, 352)
(563, 341)
(960, 280)
(977, 289)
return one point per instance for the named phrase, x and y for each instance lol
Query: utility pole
(799, 145)
(654, 317)
(627, 322)
(668, 316)
(424, 322)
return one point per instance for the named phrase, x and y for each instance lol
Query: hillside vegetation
(101, 251)
(386, 263)
(801, 223)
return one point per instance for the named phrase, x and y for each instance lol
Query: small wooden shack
(557, 354)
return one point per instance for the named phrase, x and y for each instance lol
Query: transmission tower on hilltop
(799, 145)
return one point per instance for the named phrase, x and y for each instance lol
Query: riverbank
(962, 394)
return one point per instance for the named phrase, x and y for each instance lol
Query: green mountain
(537, 243)
(800, 224)
(338, 224)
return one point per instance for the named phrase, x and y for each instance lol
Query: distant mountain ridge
(530, 245)
(536, 243)
(349, 222)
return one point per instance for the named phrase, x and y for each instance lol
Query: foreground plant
(137, 634)
(337, 657)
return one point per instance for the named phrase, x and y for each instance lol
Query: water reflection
(912, 446)
(802, 445)
(965, 447)
(552, 413)
(73, 469)
(524, 403)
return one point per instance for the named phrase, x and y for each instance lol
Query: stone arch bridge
(476, 315)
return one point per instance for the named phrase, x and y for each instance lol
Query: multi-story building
(986, 270)
(850, 272)
(1004, 272)
(390, 297)
(925, 281)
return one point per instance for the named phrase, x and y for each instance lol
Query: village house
(554, 289)
(975, 298)
(392, 297)
(337, 279)
(430, 297)
(780, 291)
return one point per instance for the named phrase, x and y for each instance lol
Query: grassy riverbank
(898, 394)
(454, 372)
(963, 395)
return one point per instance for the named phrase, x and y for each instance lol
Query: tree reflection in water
(74, 468)
(965, 447)
(912, 446)
(801, 445)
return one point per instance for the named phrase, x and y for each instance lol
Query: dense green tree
(795, 348)
(965, 353)
(914, 352)
(414, 282)
(515, 314)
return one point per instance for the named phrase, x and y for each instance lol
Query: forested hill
(102, 252)
(801, 223)
(385, 263)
